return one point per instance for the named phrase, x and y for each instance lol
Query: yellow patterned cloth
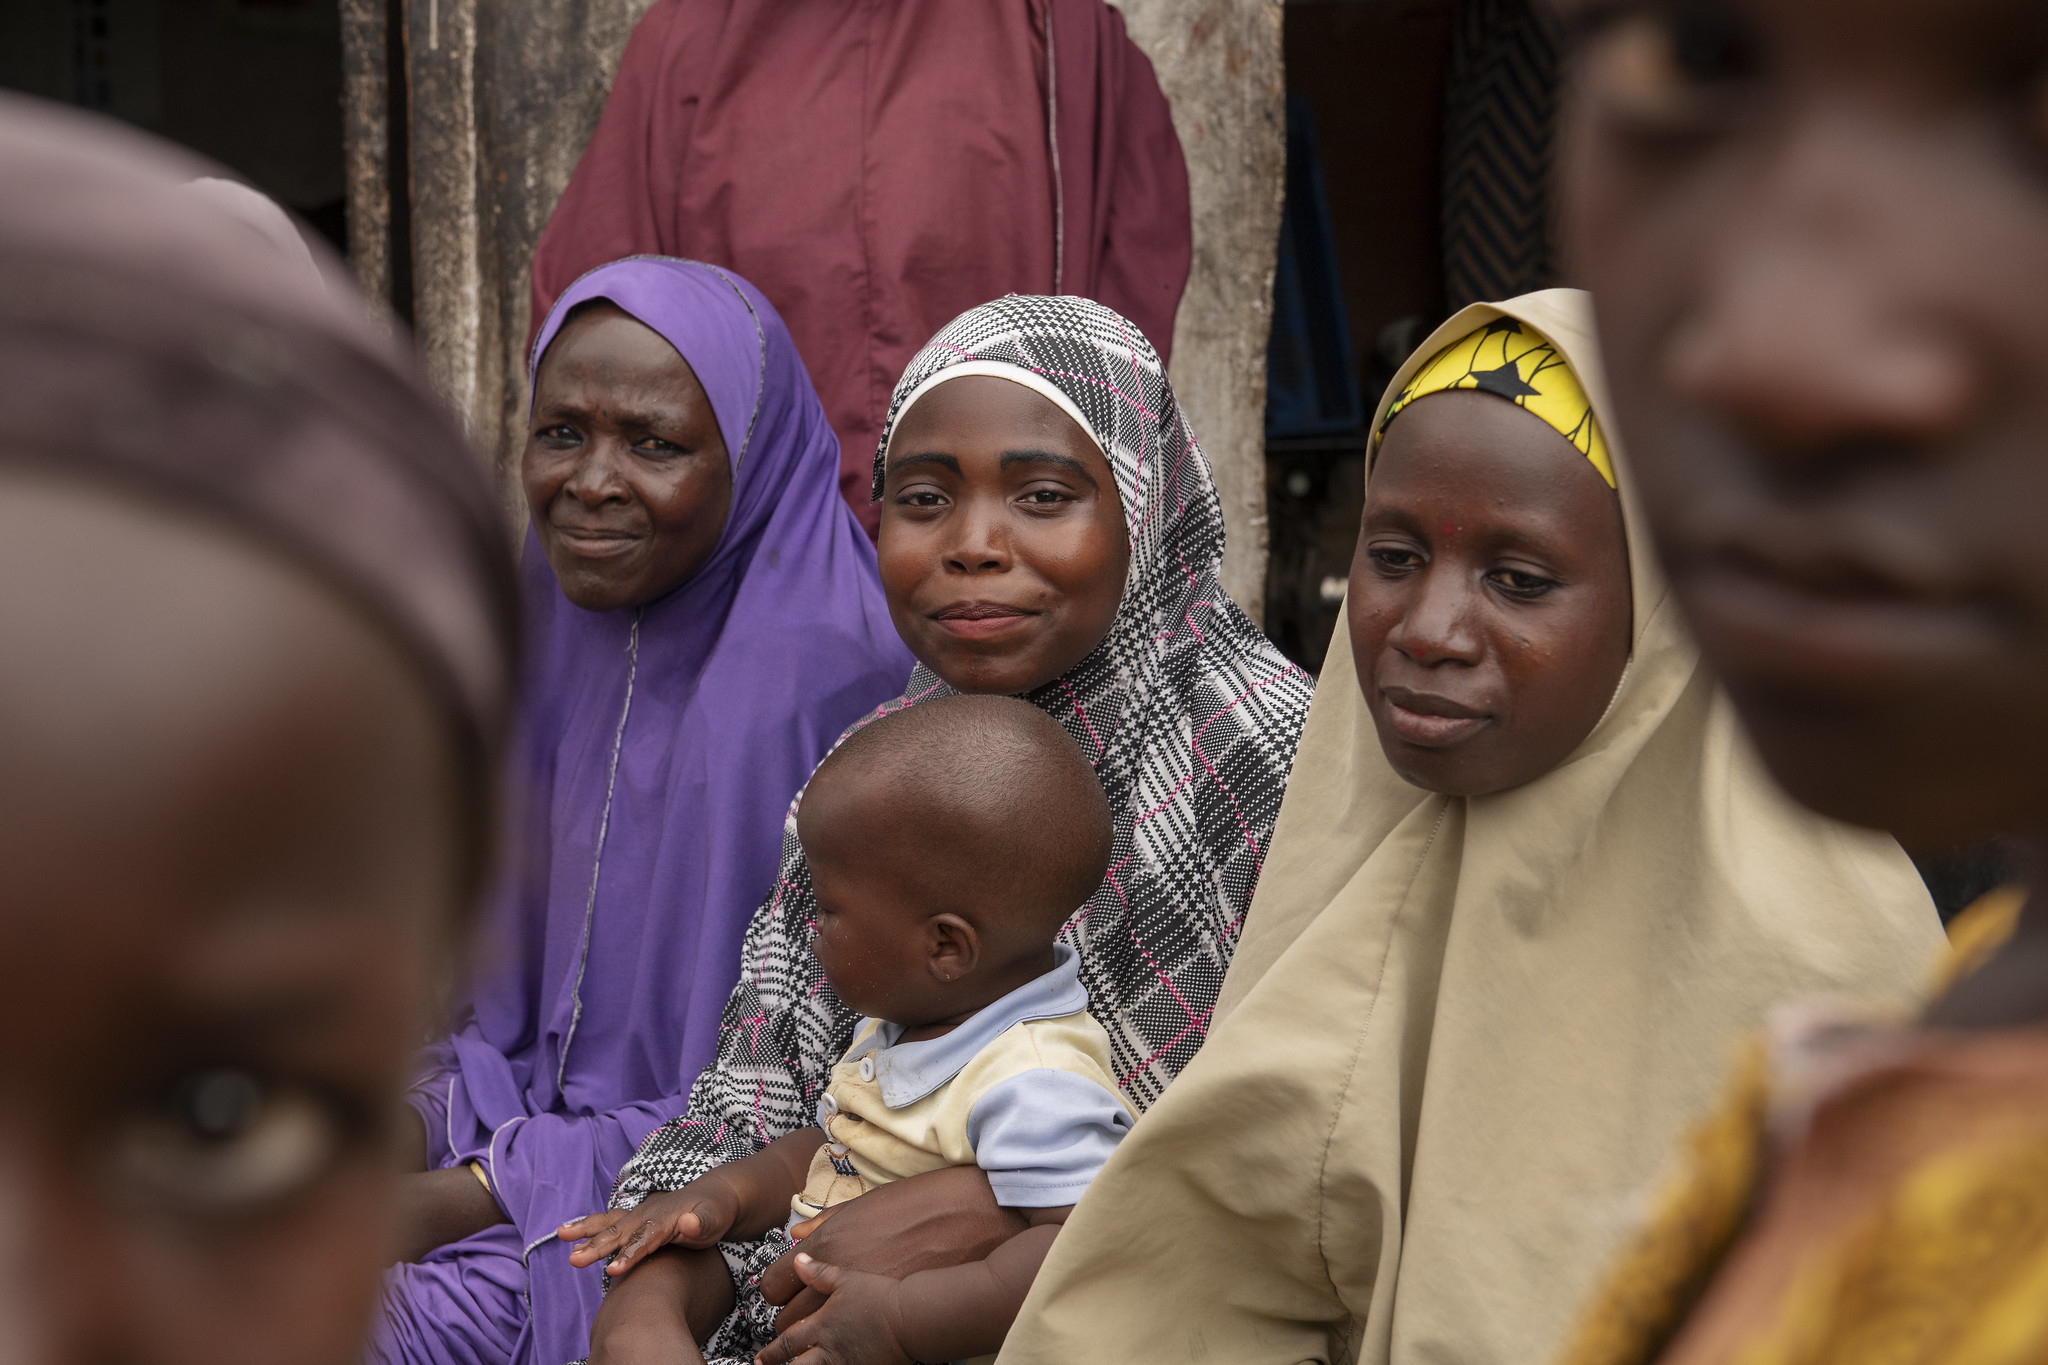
(1951, 1268)
(1514, 361)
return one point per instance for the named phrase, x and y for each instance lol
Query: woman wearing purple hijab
(705, 619)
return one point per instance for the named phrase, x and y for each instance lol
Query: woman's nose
(1438, 627)
(981, 541)
(599, 475)
(1805, 334)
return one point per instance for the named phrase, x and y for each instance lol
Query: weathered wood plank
(366, 140)
(1220, 66)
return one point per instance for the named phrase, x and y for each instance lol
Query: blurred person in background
(1818, 234)
(259, 612)
(704, 618)
(878, 169)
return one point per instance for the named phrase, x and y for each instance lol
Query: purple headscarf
(664, 746)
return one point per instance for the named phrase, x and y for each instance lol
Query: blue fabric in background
(1311, 377)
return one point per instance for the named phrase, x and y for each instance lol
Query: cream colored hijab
(1462, 1035)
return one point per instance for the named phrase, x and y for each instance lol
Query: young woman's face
(627, 477)
(1818, 234)
(1003, 549)
(1490, 610)
(227, 816)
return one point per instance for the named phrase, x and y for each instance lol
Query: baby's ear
(955, 947)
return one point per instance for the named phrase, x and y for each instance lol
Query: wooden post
(1219, 64)
(366, 140)
(453, 312)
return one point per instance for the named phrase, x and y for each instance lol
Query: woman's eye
(1519, 584)
(654, 445)
(1676, 69)
(1046, 497)
(1393, 560)
(560, 434)
(224, 1139)
(920, 497)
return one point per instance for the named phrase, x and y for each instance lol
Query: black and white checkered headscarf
(1190, 715)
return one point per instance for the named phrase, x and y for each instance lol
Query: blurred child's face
(1003, 548)
(1489, 607)
(226, 819)
(1817, 231)
(626, 473)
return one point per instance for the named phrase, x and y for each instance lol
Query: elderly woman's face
(1003, 549)
(1817, 231)
(627, 477)
(227, 818)
(1489, 606)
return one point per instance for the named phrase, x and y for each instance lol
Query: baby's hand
(860, 1324)
(697, 1215)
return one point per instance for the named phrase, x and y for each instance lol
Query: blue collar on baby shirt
(910, 1071)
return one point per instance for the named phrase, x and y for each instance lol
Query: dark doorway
(1430, 125)
(253, 84)
(1367, 76)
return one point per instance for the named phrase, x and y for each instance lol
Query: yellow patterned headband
(1510, 359)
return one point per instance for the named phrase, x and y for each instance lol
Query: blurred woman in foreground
(258, 613)
(1822, 262)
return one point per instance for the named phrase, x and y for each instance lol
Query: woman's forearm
(439, 1207)
(966, 1310)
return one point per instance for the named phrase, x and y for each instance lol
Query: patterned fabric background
(1191, 717)
(1500, 126)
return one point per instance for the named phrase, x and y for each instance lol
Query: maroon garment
(876, 168)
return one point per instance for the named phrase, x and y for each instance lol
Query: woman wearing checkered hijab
(1188, 713)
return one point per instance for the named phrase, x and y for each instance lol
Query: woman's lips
(1428, 721)
(979, 620)
(1764, 627)
(595, 544)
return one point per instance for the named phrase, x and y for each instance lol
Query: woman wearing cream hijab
(1462, 1032)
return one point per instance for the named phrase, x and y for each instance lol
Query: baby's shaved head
(986, 795)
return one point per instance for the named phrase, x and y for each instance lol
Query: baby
(948, 843)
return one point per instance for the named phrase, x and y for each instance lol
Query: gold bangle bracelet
(476, 1168)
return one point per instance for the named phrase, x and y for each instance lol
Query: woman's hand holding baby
(943, 1314)
(860, 1324)
(942, 1218)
